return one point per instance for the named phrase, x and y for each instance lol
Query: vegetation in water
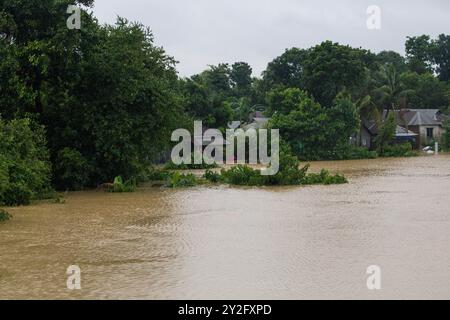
(4, 215)
(179, 180)
(289, 174)
(121, 186)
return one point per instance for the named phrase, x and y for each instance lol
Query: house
(427, 124)
(417, 126)
(369, 132)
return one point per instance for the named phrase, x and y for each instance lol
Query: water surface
(242, 243)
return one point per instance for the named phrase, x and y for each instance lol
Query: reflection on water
(224, 242)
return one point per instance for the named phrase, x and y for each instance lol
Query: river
(242, 243)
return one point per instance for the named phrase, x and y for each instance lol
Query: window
(430, 132)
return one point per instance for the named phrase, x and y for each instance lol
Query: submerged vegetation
(179, 180)
(121, 186)
(290, 173)
(4, 215)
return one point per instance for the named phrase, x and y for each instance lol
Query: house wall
(437, 134)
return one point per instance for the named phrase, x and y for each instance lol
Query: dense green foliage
(24, 166)
(446, 138)
(386, 133)
(314, 132)
(4, 215)
(108, 98)
(106, 94)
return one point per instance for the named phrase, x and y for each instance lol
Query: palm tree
(391, 94)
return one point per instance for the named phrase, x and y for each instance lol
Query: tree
(241, 79)
(106, 94)
(429, 55)
(427, 92)
(441, 56)
(286, 70)
(315, 132)
(330, 68)
(390, 93)
(386, 133)
(419, 54)
(284, 101)
(385, 58)
(218, 79)
(24, 162)
(204, 102)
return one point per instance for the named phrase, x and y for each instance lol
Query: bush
(212, 176)
(4, 215)
(120, 186)
(399, 150)
(324, 177)
(24, 163)
(289, 174)
(243, 176)
(178, 180)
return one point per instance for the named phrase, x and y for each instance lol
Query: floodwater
(242, 243)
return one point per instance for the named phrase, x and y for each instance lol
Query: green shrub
(212, 176)
(289, 174)
(243, 176)
(399, 150)
(4, 215)
(324, 177)
(25, 169)
(157, 175)
(120, 186)
(178, 180)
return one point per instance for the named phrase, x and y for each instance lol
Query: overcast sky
(203, 32)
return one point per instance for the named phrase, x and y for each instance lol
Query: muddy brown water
(242, 243)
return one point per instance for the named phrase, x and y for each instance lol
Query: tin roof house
(428, 124)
